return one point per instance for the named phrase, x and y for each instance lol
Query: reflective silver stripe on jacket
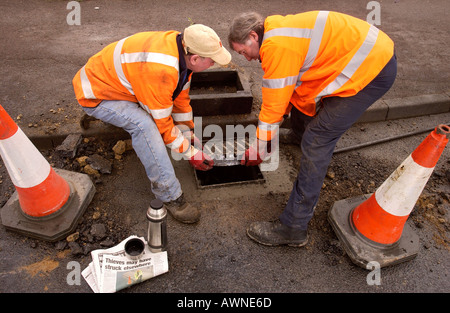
(151, 57)
(187, 85)
(353, 65)
(314, 34)
(163, 113)
(157, 114)
(289, 32)
(314, 44)
(268, 127)
(118, 66)
(182, 117)
(86, 85)
(316, 38)
(120, 58)
(177, 142)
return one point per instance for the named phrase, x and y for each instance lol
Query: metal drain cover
(227, 170)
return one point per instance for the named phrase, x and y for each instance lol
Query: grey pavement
(41, 52)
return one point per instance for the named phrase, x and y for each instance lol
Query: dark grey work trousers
(319, 135)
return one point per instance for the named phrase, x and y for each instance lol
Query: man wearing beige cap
(141, 84)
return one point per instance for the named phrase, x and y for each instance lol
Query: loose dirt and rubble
(43, 54)
(349, 175)
(217, 246)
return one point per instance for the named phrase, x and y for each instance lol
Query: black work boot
(288, 137)
(275, 234)
(183, 211)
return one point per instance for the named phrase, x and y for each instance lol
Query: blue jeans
(319, 136)
(147, 143)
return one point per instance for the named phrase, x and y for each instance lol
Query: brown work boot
(288, 137)
(183, 211)
(276, 234)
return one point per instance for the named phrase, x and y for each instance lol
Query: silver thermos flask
(157, 226)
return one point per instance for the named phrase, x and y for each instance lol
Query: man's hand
(189, 135)
(196, 142)
(199, 160)
(256, 153)
(251, 157)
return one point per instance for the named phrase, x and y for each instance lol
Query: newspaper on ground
(111, 270)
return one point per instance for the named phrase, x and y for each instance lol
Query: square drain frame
(221, 176)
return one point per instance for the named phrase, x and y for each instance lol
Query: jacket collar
(181, 53)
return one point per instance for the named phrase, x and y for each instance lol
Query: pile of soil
(350, 175)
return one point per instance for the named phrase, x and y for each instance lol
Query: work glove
(256, 153)
(199, 160)
(189, 135)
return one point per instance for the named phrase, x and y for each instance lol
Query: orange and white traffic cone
(373, 227)
(43, 196)
(40, 189)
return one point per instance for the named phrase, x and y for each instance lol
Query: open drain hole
(228, 175)
(220, 92)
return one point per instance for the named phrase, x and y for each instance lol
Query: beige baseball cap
(203, 40)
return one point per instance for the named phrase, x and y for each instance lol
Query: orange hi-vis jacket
(312, 55)
(143, 68)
